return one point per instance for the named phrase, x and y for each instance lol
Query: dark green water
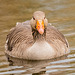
(60, 13)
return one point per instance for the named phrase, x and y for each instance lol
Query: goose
(36, 39)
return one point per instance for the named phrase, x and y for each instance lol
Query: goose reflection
(35, 67)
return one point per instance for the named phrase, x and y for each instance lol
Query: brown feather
(53, 33)
(19, 34)
(24, 41)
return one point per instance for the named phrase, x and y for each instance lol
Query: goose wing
(22, 32)
(53, 34)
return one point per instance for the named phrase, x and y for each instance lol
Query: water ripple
(13, 72)
(4, 63)
(63, 61)
(10, 68)
(70, 34)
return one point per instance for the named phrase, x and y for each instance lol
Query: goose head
(39, 22)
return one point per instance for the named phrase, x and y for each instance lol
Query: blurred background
(60, 13)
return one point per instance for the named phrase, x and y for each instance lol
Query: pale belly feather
(41, 50)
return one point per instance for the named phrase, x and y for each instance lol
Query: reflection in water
(37, 67)
(60, 13)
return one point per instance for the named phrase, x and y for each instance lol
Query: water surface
(60, 13)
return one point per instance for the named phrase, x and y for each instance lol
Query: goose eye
(33, 18)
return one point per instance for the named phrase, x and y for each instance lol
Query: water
(60, 13)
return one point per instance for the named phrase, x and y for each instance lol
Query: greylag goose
(36, 40)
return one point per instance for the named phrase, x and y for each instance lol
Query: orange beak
(40, 26)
